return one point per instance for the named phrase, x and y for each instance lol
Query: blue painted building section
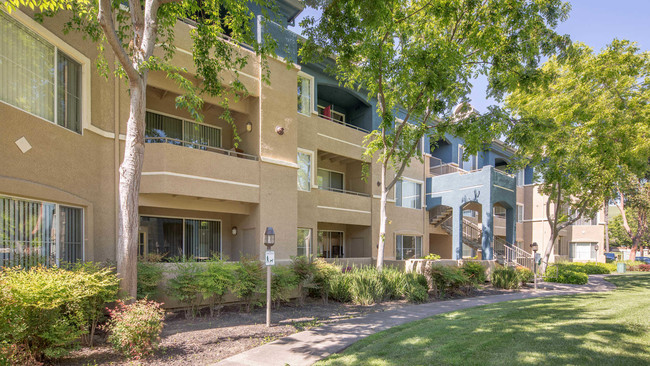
(485, 187)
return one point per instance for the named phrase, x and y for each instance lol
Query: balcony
(341, 106)
(177, 170)
(352, 209)
(235, 152)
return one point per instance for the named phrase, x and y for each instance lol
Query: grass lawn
(593, 329)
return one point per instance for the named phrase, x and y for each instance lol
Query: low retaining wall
(421, 265)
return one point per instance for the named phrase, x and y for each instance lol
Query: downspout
(116, 158)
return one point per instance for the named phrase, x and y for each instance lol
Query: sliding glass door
(177, 237)
(331, 244)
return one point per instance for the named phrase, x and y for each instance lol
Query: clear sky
(593, 22)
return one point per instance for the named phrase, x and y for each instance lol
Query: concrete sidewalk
(307, 347)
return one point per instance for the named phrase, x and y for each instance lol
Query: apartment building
(298, 167)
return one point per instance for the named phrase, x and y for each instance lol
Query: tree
(132, 33)
(417, 58)
(631, 228)
(584, 129)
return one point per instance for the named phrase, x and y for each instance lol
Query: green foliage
(553, 274)
(327, 281)
(475, 271)
(187, 286)
(339, 286)
(416, 293)
(305, 271)
(447, 280)
(283, 281)
(249, 281)
(134, 329)
(586, 268)
(149, 276)
(45, 311)
(394, 283)
(505, 277)
(215, 281)
(525, 275)
(431, 257)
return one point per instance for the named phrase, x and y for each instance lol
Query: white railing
(338, 190)
(512, 255)
(196, 145)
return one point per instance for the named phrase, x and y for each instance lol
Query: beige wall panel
(343, 208)
(441, 245)
(278, 208)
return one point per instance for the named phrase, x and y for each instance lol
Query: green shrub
(325, 274)
(475, 271)
(505, 277)
(431, 257)
(525, 275)
(447, 280)
(45, 311)
(305, 272)
(283, 282)
(366, 285)
(586, 268)
(570, 277)
(416, 293)
(339, 287)
(217, 278)
(149, 276)
(134, 329)
(394, 282)
(419, 278)
(249, 281)
(186, 286)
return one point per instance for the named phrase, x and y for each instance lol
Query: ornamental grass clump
(505, 278)
(134, 329)
(447, 280)
(475, 271)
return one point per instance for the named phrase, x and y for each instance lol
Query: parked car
(643, 259)
(610, 257)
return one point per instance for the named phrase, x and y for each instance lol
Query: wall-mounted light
(249, 126)
(279, 130)
(234, 231)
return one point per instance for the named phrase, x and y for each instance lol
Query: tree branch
(150, 32)
(105, 19)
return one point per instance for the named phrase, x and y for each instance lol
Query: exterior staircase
(505, 253)
(440, 214)
(471, 232)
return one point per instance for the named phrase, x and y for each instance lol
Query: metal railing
(329, 118)
(471, 232)
(332, 189)
(198, 146)
(512, 254)
(504, 173)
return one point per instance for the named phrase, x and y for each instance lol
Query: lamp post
(535, 247)
(596, 249)
(269, 240)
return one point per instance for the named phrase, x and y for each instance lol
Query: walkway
(307, 347)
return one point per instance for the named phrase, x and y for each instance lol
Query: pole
(268, 296)
(535, 267)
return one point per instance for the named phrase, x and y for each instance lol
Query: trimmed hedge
(506, 278)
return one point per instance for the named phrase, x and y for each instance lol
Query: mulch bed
(205, 340)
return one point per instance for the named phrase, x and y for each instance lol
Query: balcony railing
(333, 119)
(331, 189)
(198, 146)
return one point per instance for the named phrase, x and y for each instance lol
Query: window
(177, 237)
(408, 247)
(583, 251)
(408, 194)
(37, 77)
(161, 128)
(304, 242)
(330, 244)
(35, 232)
(304, 95)
(561, 246)
(331, 114)
(304, 170)
(331, 181)
(520, 213)
(499, 212)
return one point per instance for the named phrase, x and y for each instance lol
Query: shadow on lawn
(549, 331)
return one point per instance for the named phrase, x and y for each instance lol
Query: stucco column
(488, 231)
(457, 230)
(510, 226)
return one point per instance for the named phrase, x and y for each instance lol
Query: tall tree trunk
(383, 219)
(549, 250)
(634, 248)
(606, 214)
(129, 188)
